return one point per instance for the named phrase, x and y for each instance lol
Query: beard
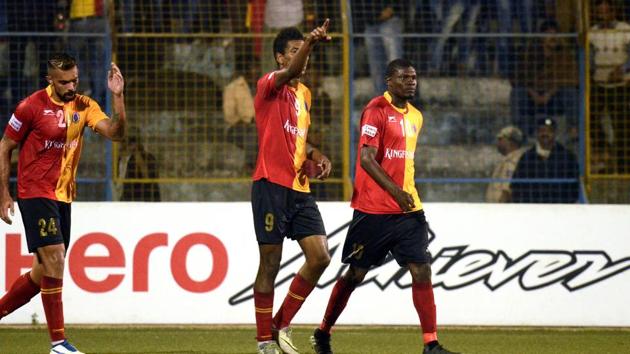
(68, 96)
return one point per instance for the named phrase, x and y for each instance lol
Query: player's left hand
(6, 208)
(115, 80)
(326, 166)
(320, 34)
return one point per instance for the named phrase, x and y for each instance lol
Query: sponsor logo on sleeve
(369, 130)
(15, 123)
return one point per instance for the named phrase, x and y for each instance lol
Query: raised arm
(115, 127)
(374, 169)
(297, 64)
(7, 145)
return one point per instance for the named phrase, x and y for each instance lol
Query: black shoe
(438, 349)
(320, 341)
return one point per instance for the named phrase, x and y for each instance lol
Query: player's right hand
(320, 34)
(404, 200)
(6, 206)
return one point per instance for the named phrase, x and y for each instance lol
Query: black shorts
(281, 212)
(46, 222)
(371, 237)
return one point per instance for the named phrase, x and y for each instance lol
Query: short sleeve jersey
(394, 132)
(282, 121)
(50, 135)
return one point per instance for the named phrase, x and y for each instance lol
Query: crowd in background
(522, 41)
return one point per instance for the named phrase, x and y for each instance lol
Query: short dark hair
(283, 37)
(61, 61)
(397, 64)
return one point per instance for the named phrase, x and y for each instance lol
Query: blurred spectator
(546, 83)
(447, 15)
(142, 16)
(509, 142)
(381, 22)
(89, 17)
(5, 90)
(508, 10)
(610, 93)
(547, 159)
(279, 14)
(28, 54)
(238, 110)
(136, 163)
(179, 16)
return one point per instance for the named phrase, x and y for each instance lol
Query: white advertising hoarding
(195, 263)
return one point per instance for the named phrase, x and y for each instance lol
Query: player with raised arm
(48, 127)
(388, 216)
(281, 201)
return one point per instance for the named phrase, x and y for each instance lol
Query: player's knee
(270, 265)
(420, 272)
(354, 276)
(52, 259)
(53, 262)
(319, 262)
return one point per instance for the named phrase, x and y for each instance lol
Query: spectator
(381, 22)
(90, 17)
(506, 11)
(509, 142)
(238, 111)
(547, 159)
(137, 163)
(279, 14)
(28, 54)
(5, 90)
(610, 93)
(447, 15)
(546, 82)
(142, 16)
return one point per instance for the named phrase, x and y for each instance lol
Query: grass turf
(346, 340)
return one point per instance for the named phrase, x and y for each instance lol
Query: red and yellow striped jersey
(50, 134)
(394, 132)
(282, 121)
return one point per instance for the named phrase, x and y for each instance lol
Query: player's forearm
(118, 124)
(312, 152)
(5, 169)
(379, 175)
(296, 66)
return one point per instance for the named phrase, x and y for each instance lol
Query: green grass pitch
(346, 340)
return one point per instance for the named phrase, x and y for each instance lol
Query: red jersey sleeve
(371, 128)
(20, 122)
(266, 86)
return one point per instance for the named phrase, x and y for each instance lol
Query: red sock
(264, 309)
(21, 292)
(53, 307)
(425, 306)
(298, 292)
(337, 302)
